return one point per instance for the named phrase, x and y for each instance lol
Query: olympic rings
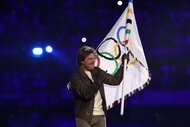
(115, 50)
(112, 58)
(98, 62)
(109, 54)
(118, 31)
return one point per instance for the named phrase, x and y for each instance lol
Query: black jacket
(84, 90)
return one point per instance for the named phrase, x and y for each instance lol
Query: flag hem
(131, 93)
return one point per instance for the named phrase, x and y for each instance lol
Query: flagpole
(123, 85)
(124, 73)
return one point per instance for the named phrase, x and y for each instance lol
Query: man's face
(88, 62)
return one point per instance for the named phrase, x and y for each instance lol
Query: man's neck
(85, 69)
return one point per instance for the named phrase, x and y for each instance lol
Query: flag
(123, 36)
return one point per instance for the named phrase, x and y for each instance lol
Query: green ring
(116, 67)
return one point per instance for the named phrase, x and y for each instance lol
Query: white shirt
(98, 110)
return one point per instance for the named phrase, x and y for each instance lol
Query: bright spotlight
(119, 2)
(83, 39)
(49, 49)
(37, 51)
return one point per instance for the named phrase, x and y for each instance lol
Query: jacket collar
(81, 71)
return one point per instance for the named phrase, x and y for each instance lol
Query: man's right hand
(125, 56)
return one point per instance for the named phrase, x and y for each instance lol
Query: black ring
(108, 57)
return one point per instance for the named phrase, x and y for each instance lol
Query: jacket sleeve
(85, 89)
(111, 79)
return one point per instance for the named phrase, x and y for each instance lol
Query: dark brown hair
(83, 52)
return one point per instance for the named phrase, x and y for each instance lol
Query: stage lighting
(49, 49)
(119, 2)
(83, 39)
(37, 51)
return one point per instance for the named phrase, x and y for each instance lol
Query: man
(87, 87)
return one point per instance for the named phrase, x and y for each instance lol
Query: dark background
(33, 91)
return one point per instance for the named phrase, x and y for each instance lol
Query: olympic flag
(123, 37)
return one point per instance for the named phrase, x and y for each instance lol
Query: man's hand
(125, 56)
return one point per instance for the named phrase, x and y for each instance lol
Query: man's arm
(109, 79)
(87, 89)
(113, 79)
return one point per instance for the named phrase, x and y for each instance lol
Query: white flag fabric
(110, 51)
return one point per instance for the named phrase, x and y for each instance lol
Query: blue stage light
(37, 51)
(49, 49)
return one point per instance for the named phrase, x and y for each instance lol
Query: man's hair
(83, 52)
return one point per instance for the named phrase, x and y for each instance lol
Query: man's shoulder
(76, 72)
(98, 70)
